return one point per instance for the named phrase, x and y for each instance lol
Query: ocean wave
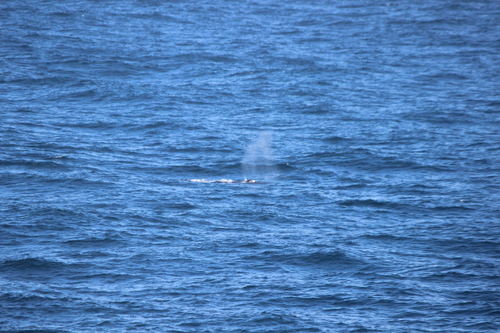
(320, 259)
(29, 263)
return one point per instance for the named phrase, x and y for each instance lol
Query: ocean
(249, 166)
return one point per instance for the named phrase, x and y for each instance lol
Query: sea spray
(258, 161)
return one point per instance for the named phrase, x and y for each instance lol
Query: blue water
(372, 129)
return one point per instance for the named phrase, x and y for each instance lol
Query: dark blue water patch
(96, 242)
(43, 217)
(63, 180)
(375, 161)
(32, 164)
(30, 264)
(470, 244)
(369, 203)
(37, 269)
(450, 276)
(36, 331)
(182, 206)
(387, 237)
(317, 260)
(273, 319)
(336, 140)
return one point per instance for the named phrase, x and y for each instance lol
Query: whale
(249, 181)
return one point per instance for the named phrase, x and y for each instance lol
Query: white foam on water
(246, 181)
(212, 181)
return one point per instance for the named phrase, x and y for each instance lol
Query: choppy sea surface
(371, 128)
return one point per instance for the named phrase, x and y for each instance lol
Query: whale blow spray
(258, 161)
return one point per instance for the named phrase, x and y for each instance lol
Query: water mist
(258, 161)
